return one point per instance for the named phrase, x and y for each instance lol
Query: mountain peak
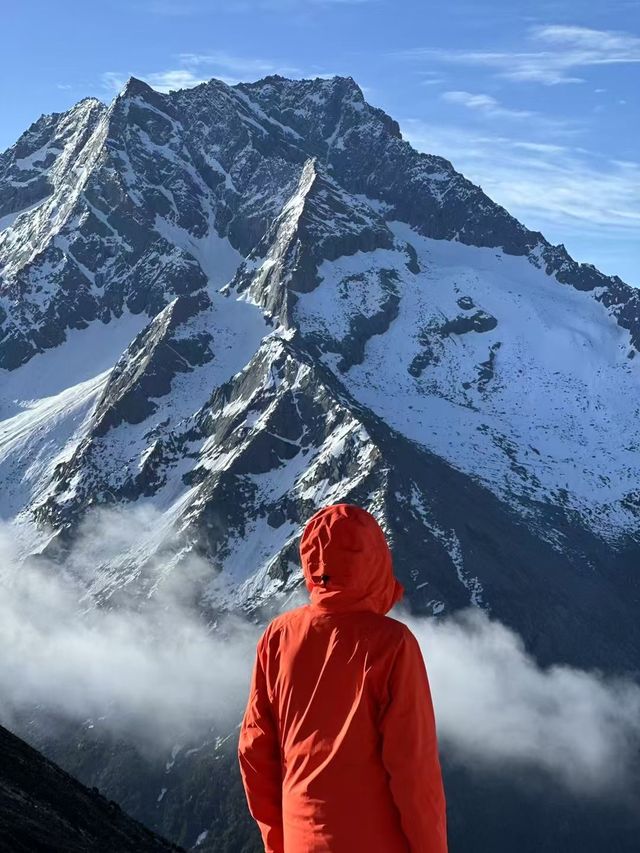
(319, 89)
(318, 220)
(134, 86)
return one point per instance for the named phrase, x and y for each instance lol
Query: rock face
(42, 808)
(234, 304)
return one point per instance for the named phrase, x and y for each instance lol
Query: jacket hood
(346, 561)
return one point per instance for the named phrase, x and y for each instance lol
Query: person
(338, 748)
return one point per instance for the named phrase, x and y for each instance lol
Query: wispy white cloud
(305, 4)
(608, 45)
(192, 69)
(432, 78)
(488, 108)
(561, 189)
(163, 81)
(174, 78)
(172, 8)
(113, 81)
(556, 54)
(333, 2)
(540, 147)
(237, 67)
(176, 8)
(486, 104)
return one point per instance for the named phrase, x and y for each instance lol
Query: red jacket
(338, 749)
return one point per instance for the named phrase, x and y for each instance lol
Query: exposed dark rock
(486, 369)
(466, 303)
(412, 264)
(147, 368)
(478, 322)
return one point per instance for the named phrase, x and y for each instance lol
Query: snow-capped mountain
(234, 304)
(219, 291)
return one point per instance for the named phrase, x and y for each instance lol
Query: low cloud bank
(154, 668)
(146, 661)
(495, 706)
(158, 670)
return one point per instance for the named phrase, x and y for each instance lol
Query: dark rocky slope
(44, 810)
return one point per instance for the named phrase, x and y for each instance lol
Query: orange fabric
(338, 749)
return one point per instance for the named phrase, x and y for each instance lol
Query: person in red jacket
(338, 749)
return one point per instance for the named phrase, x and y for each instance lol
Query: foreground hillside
(44, 810)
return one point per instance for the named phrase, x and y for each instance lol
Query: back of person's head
(346, 561)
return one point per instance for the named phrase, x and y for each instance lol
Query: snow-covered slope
(523, 383)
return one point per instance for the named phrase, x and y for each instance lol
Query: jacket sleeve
(259, 757)
(410, 751)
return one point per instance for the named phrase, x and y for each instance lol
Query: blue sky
(536, 102)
